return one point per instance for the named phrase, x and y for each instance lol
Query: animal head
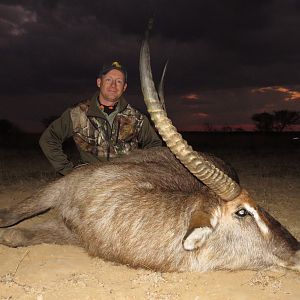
(238, 222)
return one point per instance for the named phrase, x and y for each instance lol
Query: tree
(284, 119)
(278, 121)
(226, 129)
(9, 133)
(208, 127)
(8, 128)
(264, 122)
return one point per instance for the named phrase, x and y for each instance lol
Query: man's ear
(98, 82)
(125, 87)
(198, 231)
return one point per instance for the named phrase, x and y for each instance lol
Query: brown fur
(138, 211)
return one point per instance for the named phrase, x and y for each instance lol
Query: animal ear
(198, 231)
(196, 238)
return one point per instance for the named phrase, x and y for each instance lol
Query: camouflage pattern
(93, 134)
(98, 136)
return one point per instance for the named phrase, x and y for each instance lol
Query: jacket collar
(94, 110)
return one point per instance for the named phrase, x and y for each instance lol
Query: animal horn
(161, 88)
(204, 170)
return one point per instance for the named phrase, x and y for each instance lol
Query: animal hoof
(11, 237)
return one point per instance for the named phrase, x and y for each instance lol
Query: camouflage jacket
(97, 137)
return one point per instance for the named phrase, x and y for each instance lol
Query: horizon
(181, 110)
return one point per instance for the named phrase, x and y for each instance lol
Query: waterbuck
(167, 210)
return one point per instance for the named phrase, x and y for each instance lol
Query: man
(102, 127)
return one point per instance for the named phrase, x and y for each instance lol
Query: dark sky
(227, 59)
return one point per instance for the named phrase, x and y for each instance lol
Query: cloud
(191, 97)
(289, 94)
(200, 115)
(13, 19)
(215, 45)
(218, 52)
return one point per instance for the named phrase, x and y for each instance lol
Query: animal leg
(20, 211)
(51, 232)
(44, 199)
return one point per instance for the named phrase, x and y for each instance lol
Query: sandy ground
(67, 272)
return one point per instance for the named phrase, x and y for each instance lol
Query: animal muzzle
(295, 261)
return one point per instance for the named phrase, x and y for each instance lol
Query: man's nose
(113, 83)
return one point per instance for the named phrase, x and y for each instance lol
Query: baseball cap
(113, 66)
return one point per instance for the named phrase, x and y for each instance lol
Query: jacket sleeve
(51, 143)
(148, 138)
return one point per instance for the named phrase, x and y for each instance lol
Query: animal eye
(242, 213)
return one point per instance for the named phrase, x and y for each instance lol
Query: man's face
(112, 85)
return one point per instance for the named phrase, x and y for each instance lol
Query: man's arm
(148, 138)
(51, 143)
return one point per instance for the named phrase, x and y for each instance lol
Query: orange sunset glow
(191, 97)
(290, 95)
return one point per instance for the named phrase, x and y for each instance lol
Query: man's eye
(242, 213)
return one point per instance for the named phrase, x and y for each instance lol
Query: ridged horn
(204, 170)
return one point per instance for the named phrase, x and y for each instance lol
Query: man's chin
(112, 101)
(113, 97)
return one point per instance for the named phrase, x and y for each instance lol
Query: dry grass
(19, 166)
(270, 174)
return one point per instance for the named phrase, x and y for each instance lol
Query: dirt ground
(67, 272)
